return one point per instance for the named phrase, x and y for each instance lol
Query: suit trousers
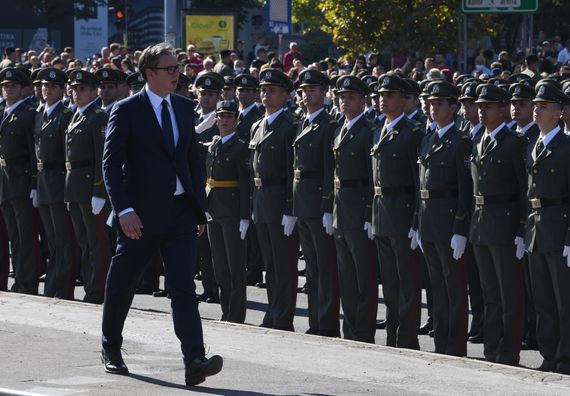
(475, 292)
(280, 256)
(93, 240)
(449, 286)
(503, 292)
(550, 277)
(228, 259)
(22, 226)
(61, 271)
(401, 286)
(356, 260)
(322, 277)
(178, 249)
(4, 255)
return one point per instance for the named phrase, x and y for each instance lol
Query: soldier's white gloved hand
(566, 253)
(458, 243)
(328, 223)
(67, 206)
(368, 229)
(97, 204)
(420, 243)
(34, 198)
(413, 236)
(519, 243)
(288, 223)
(243, 226)
(207, 123)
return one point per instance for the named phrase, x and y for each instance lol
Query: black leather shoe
(215, 299)
(261, 285)
(547, 366)
(198, 369)
(113, 362)
(145, 290)
(160, 293)
(431, 333)
(381, 324)
(254, 277)
(425, 328)
(204, 296)
(477, 338)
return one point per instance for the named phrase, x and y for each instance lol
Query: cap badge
(484, 91)
(497, 82)
(519, 78)
(244, 80)
(51, 74)
(79, 76)
(268, 75)
(105, 74)
(468, 90)
(435, 89)
(207, 82)
(307, 76)
(526, 82)
(346, 83)
(541, 91)
(386, 81)
(140, 78)
(517, 91)
(8, 74)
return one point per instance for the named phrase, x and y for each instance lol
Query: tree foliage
(391, 25)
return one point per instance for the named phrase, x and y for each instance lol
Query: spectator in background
(225, 66)
(208, 66)
(430, 64)
(239, 67)
(378, 71)
(239, 50)
(359, 65)
(504, 60)
(531, 66)
(371, 62)
(547, 58)
(480, 66)
(564, 55)
(10, 57)
(260, 59)
(196, 61)
(435, 74)
(290, 56)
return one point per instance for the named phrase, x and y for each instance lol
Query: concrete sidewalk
(52, 347)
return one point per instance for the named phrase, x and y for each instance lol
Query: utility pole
(170, 22)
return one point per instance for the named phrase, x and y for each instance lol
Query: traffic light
(120, 19)
(117, 8)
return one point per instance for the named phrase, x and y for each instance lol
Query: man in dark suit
(228, 188)
(499, 187)
(17, 181)
(394, 214)
(151, 142)
(313, 205)
(352, 212)
(52, 120)
(445, 198)
(547, 236)
(271, 148)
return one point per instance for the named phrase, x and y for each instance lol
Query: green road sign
(499, 6)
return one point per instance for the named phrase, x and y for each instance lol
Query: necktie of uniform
(45, 116)
(539, 147)
(240, 117)
(167, 125)
(486, 143)
(343, 132)
(4, 116)
(306, 123)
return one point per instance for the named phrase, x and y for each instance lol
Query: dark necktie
(486, 143)
(240, 117)
(200, 120)
(435, 137)
(45, 117)
(306, 123)
(343, 132)
(4, 116)
(539, 148)
(167, 125)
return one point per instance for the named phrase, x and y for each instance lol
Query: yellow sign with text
(210, 33)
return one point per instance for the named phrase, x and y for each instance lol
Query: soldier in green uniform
(228, 189)
(84, 188)
(18, 180)
(547, 234)
(352, 212)
(108, 89)
(271, 148)
(52, 120)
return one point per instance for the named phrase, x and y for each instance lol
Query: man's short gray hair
(150, 57)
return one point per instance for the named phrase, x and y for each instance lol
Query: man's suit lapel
(150, 119)
(181, 122)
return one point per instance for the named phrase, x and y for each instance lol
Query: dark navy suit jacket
(140, 168)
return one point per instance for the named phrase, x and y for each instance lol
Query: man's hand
(201, 229)
(131, 225)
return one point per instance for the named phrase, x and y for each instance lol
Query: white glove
(368, 229)
(207, 123)
(413, 235)
(566, 253)
(288, 223)
(67, 206)
(458, 243)
(519, 243)
(34, 198)
(243, 226)
(97, 204)
(328, 223)
(420, 244)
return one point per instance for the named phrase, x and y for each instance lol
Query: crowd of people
(413, 175)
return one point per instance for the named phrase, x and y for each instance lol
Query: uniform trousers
(228, 259)
(449, 287)
(322, 277)
(503, 292)
(280, 255)
(4, 255)
(550, 277)
(356, 260)
(61, 270)
(529, 328)
(22, 226)
(401, 286)
(177, 247)
(205, 265)
(475, 292)
(93, 240)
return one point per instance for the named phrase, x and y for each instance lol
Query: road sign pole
(465, 43)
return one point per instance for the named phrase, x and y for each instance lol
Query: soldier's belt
(222, 183)
(386, 191)
(268, 182)
(481, 200)
(14, 161)
(356, 183)
(435, 194)
(70, 165)
(537, 203)
(50, 166)
(303, 174)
